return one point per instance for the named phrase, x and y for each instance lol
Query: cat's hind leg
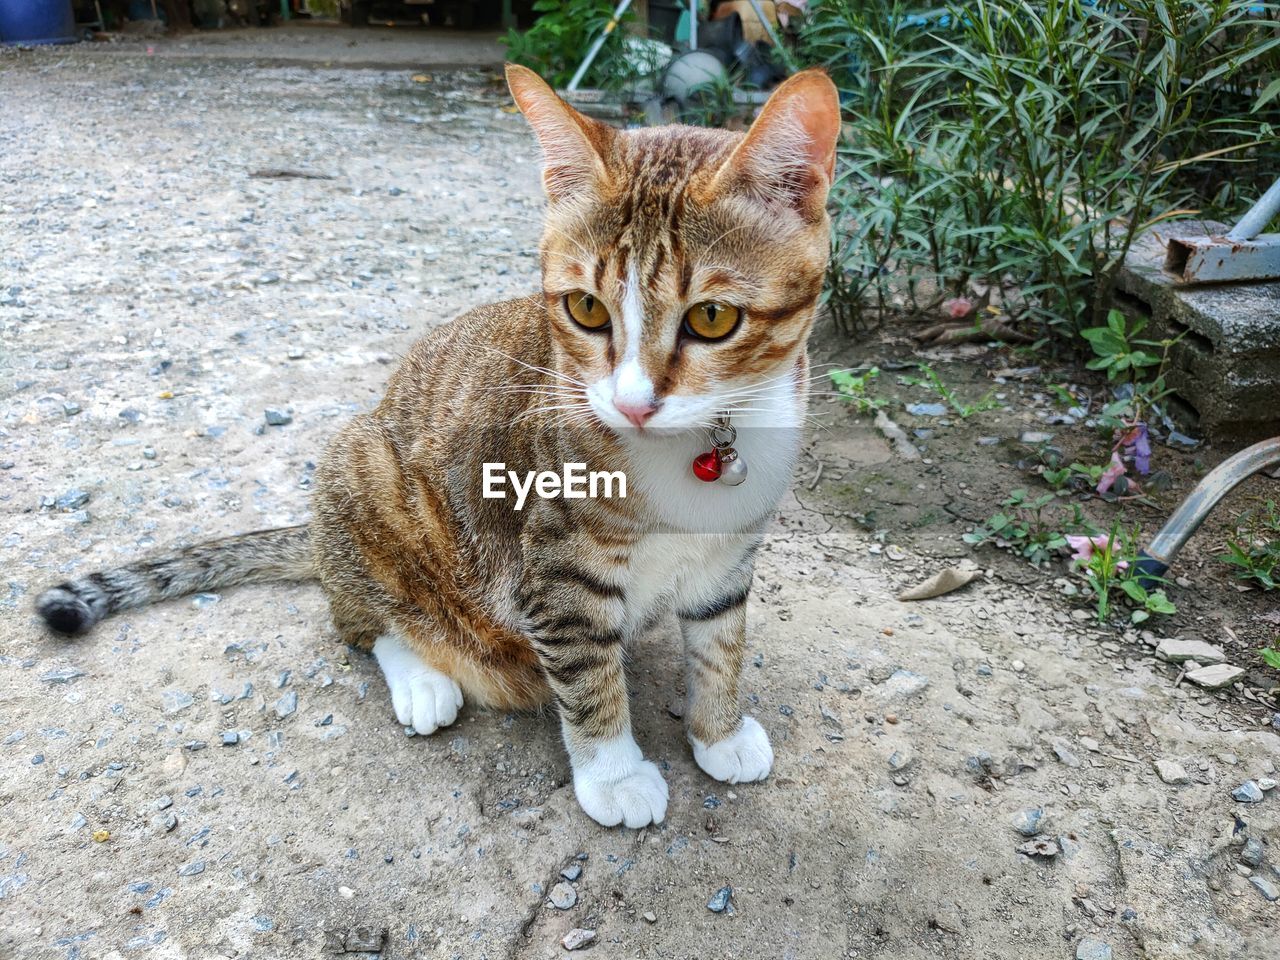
(422, 697)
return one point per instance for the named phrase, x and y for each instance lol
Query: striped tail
(261, 557)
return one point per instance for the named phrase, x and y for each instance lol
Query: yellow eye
(586, 310)
(712, 321)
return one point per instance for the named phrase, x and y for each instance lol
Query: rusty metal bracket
(1243, 253)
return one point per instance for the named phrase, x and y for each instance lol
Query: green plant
(1026, 527)
(1125, 357)
(1109, 565)
(1254, 549)
(1271, 654)
(854, 387)
(1035, 141)
(935, 383)
(558, 40)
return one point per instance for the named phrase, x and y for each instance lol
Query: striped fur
(463, 596)
(268, 555)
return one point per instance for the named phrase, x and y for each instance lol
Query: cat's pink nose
(637, 413)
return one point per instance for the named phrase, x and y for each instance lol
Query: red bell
(706, 466)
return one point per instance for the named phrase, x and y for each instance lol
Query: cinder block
(1225, 371)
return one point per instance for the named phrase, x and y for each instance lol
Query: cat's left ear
(789, 154)
(574, 146)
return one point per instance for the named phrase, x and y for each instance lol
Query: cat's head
(682, 266)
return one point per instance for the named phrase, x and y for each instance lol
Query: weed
(1004, 140)
(854, 386)
(1271, 654)
(1254, 549)
(1025, 526)
(933, 382)
(1109, 564)
(554, 45)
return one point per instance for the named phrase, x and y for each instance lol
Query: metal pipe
(595, 47)
(1259, 215)
(1154, 561)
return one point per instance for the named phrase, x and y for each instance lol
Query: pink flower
(1084, 548)
(958, 308)
(1115, 470)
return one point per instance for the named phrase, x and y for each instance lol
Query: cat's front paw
(741, 758)
(618, 786)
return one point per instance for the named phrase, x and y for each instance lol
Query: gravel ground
(219, 778)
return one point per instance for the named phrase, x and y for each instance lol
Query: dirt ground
(219, 778)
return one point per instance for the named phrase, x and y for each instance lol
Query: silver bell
(733, 470)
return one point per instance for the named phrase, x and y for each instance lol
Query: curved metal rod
(1154, 561)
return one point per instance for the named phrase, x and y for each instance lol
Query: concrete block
(1225, 372)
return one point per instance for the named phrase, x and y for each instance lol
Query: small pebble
(577, 938)
(277, 418)
(563, 896)
(1093, 950)
(1030, 822)
(719, 901)
(1252, 853)
(1247, 792)
(287, 705)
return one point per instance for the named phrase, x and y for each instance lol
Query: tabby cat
(681, 269)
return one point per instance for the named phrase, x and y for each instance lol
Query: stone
(1179, 651)
(61, 675)
(1266, 784)
(1247, 792)
(1252, 853)
(650, 916)
(1171, 772)
(365, 939)
(904, 683)
(1228, 366)
(1265, 887)
(1034, 437)
(277, 418)
(1089, 949)
(175, 701)
(563, 896)
(287, 705)
(1040, 847)
(72, 500)
(191, 869)
(927, 409)
(572, 872)
(230, 738)
(1030, 822)
(577, 938)
(1215, 677)
(719, 901)
(1064, 753)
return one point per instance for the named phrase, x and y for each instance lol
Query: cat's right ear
(573, 146)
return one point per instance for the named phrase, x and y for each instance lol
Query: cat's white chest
(667, 568)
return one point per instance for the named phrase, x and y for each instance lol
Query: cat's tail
(261, 557)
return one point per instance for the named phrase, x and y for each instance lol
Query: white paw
(741, 758)
(617, 785)
(422, 696)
